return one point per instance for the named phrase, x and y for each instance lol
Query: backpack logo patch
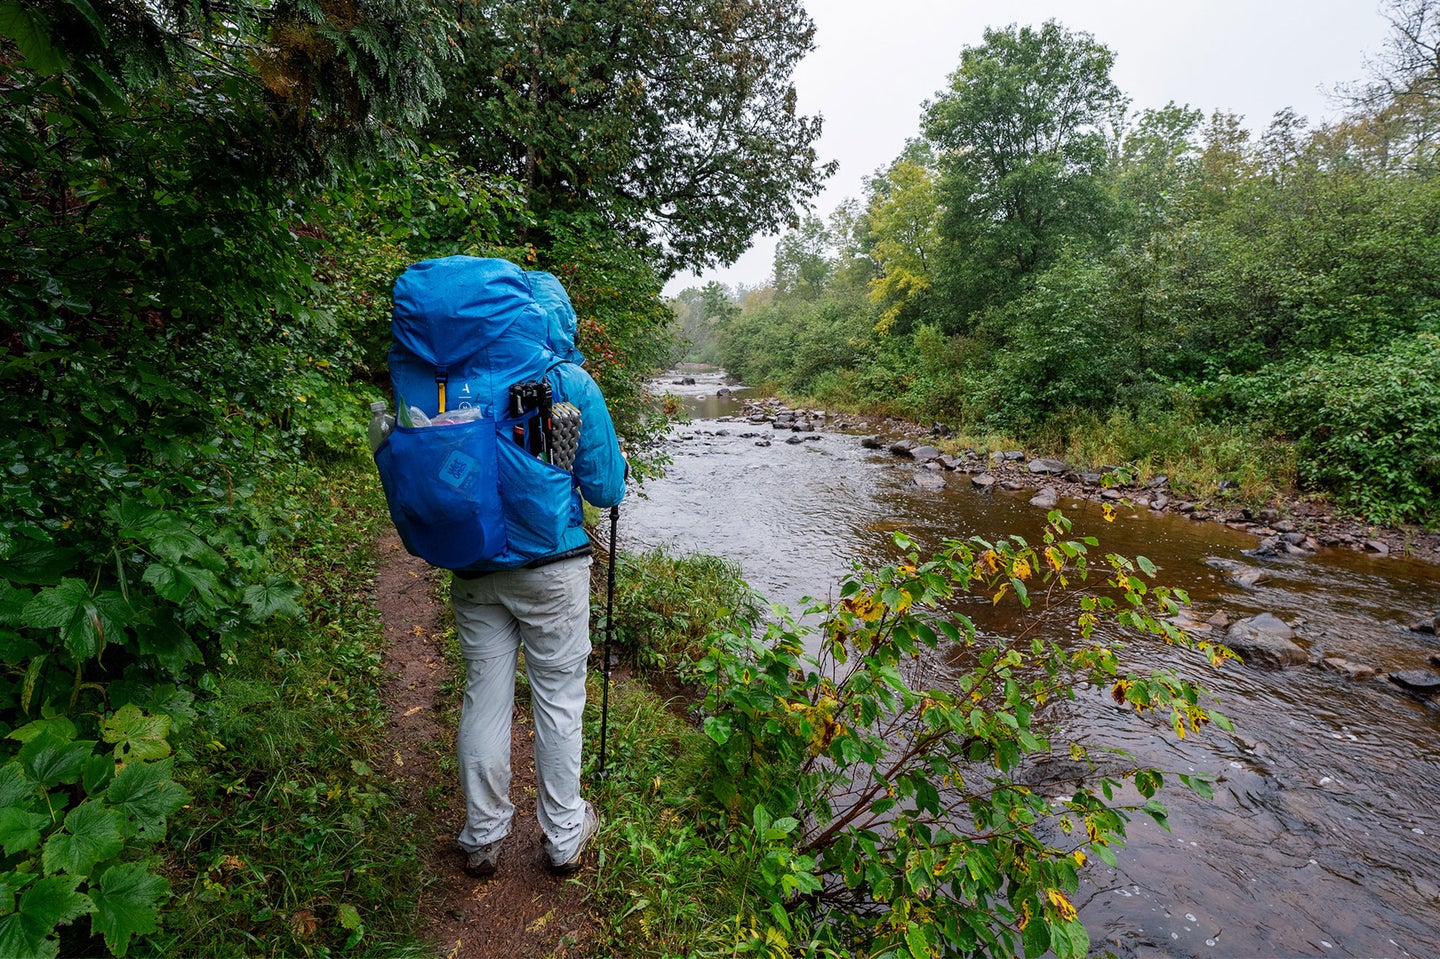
(457, 469)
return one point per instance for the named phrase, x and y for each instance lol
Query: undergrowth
(294, 843)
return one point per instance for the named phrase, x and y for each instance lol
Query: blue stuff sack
(442, 484)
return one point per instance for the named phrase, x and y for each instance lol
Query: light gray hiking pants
(547, 611)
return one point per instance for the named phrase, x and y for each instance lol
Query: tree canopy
(1022, 134)
(676, 121)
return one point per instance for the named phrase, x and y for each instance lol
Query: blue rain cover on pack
(465, 329)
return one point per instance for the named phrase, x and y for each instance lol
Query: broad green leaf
(718, 729)
(97, 772)
(92, 834)
(1036, 938)
(1147, 567)
(125, 904)
(275, 598)
(915, 941)
(85, 621)
(350, 917)
(135, 734)
(12, 603)
(20, 829)
(59, 725)
(18, 650)
(37, 565)
(20, 939)
(17, 790)
(167, 640)
(50, 902)
(51, 760)
(146, 795)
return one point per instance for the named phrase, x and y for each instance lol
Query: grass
(664, 884)
(292, 844)
(666, 606)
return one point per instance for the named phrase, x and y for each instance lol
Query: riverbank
(1286, 522)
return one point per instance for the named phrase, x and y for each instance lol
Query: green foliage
(676, 121)
(1022, 137)
(387, 216)
(1367, 427)
(664, 886)
(666, 606)
(295, 843)
(78, 822)
(850, 780)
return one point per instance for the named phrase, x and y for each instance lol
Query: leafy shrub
(76, 818)
(666, 606)
(891, 816)
(1367, 428)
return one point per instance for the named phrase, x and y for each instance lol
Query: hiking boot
(588, 827)
(482, 862)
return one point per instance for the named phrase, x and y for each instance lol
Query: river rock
(924, 454)
(1238, 572)
(1266, 641)
(723, 391)
(1111, 495)
(1157, 482)
(762, 442)
(929, 479)
(1431, 626)
(872, 443)
(1377, 546)
(1160, 502)
(1355, 671)
(794, 440)
(781, 423)
(903, 447)
(1046, 498)
(949, 462)
(983, 481)
(1422, 682)
(1047, 466)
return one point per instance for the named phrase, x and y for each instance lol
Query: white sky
(875, 63)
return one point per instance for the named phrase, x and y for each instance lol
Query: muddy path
(522, 911)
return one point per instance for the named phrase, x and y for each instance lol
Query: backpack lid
(449, 308)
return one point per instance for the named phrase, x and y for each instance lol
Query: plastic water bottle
(381, 423)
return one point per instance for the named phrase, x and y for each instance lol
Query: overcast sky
(876, 61)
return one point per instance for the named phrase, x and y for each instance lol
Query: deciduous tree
(1022, 135)
(676, 121)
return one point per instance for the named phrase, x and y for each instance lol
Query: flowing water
(1323, 836)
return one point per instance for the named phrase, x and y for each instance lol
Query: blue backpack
(471, 491)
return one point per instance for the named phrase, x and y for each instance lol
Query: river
(1323, 836)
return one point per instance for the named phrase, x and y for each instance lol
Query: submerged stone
(1265, 640)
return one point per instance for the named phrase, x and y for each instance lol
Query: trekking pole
(609, 628)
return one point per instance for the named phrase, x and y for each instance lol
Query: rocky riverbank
(1284, 527)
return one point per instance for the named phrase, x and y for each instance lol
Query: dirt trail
(522, 912)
